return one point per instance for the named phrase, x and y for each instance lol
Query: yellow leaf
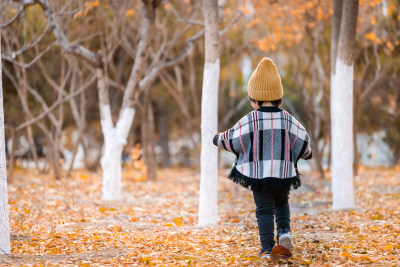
(373, 21)
(345, 254)
(320, 13)
(236, 220)
(103, 209)
(388, 247)
(146, 259)
(83, 176)
(365, 258)
(370, 36)
(389, 45)
(350, 247)
(93, 4)
(118, 228)
(178, 221)
(167, 7)
(169, 225)
(250, 258)
(130, 12)
(78, 15)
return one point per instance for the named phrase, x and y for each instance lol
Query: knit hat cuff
(266, 95)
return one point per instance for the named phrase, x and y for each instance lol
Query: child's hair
(275, 103)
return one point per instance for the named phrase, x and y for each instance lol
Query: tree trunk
(318, 160)
(4, 222)
(209, 117)
(162, 124)
(75, 148)
(342, 109)
(148, 138)
(355, 131)
(55, 159)
(11, 162)
(114, 140)
(111, 165)
(32, 144)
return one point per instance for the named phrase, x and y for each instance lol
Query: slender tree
(343, 40)
(4, 224)
(209, 116)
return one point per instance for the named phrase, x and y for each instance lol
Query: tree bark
(336, 22)
(162, 125)
(11, 162)
(209, 117)
(4, 222)
(342, 109)
(148, 137)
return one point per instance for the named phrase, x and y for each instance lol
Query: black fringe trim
(265, 183)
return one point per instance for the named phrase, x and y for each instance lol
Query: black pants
(269, 203)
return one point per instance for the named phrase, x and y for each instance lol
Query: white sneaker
(265, 255)
(286, 240)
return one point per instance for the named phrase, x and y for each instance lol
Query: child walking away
(267, 143)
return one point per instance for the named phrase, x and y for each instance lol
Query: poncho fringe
(264, 183)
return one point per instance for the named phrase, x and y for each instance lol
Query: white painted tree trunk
(114, 141)
(208, 210)
(4, 223)
(111, 165)
(342, 136)
(343, 41)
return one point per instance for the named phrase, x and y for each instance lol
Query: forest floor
(65, 222)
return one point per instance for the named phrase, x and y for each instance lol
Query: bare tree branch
(152, 75)
(232, 112)
(27, 65)
(57, 103)
(191, 21)
(76, 48)
(34, 43)
(229, 26)
(8, 23)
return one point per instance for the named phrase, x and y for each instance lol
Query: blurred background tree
(51, 86)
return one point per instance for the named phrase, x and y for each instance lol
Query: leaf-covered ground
(66, 223)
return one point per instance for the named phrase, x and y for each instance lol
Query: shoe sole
(286, 240)
(265, 256)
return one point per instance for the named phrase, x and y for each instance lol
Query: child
(267, 143)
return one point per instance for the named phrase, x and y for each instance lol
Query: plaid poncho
(267, 143)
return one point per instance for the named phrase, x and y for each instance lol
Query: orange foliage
(283, 24)
(155, 223)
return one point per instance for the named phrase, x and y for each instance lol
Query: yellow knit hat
(265, 83)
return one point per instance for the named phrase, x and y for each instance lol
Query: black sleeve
(309, 156)
(215, 139)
